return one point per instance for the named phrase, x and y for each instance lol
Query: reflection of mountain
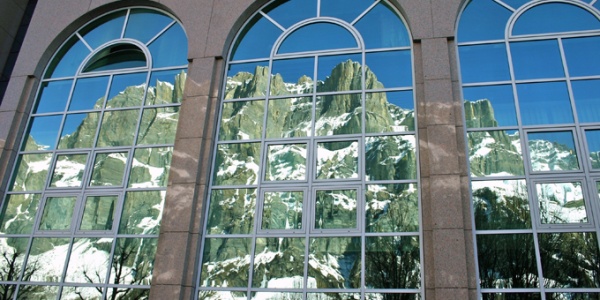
(141, 211)
(508, 260)
(498, 152)
(332, 262)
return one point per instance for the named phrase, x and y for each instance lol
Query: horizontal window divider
(230, 187)
(402, 181)
(318, 53)
(541, 80)
(490, 178)
(170, 68)
(503, 231)
(483, 42)
(111, 72)
(487, 83)
(387, 49)
(512, 290)
(544, 36)
(391, 234)
(395, 133)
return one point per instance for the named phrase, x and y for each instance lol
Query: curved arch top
(148, 28)
(376, 23)
(552, 17)
(318, 35)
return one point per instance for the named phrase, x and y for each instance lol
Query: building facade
(302, 149)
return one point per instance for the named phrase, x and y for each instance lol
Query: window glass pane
(88, 293)
(507, 261)
(133, 261)
(150, 167)
(282, 210)
(116, 57)
(290, 12)
(390, 157)
(582, 56)
(537, 59)
(593, 142)
(338, 114)
(347, 10)
(381, 28)
(561, 203)
(164, 54)
(511, 296)
(489, 106)
(126, 90)
(552, 151)
(109, 169)
(501, 204)
(89, 262)
(403, 296)
(31, 172)
(495, 153)
(58, 212)
(335, 209)
(483, 20)
(98, 213)
(340, 256)
(292, 76)
(388, 69)
(542, 19)
(286, 162)
(247, 80)
(144, 24)
(221, 260)
(166, 87)
(41, 292)
(587, 97)
(231, 211)
(260, 31)
(47, 259)
(118, 128)
(142, 294)
(79, 131)
(53, 96)
(481, 63)
(42, 133)
(67, 60)
(544, 103)
(242, 120)
(516, 4)
(13, 251)
(236, 164)
(279, 263)
(317, 37)
(104, 29)
(392, 208)
(260, 295)
(390, 112)
(19, 214)
(158, 126)
(569, 260)
(142, 212)
(575, 296)
(337, 160)
(89, 94)
(68, 170)
(339, 73)
(289, 117)
(393, 262)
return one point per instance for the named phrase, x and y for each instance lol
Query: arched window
(314, 191)
(531, 84)
(82, 213)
